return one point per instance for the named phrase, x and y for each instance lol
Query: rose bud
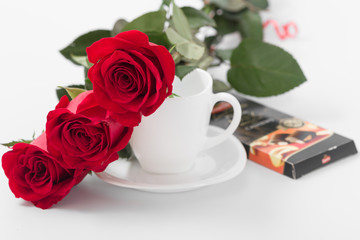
(83, 135)
(131, 76)
(34, 175)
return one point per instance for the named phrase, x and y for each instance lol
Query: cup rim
(208, 85)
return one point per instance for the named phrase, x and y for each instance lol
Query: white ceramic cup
(169, 140)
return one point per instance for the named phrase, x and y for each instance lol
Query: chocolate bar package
(283, 143)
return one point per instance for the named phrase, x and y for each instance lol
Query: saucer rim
(181, 187)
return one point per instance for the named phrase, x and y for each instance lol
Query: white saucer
(213, 166)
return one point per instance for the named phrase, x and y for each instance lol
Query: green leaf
(190, 50)
(118, 26)
(74, 92)
(250, 25)
(88, 84)
(173, 95)
(175, 37)
(172, 48)
(159, 38)
(181, 23)
(205, 62)
(197, 18)
(225, 26)
(224, 54)
(176, 57)
(230, 5)
(220, 86)
(233, 16)
(247, 22)
(12, 143)
(258, 4)
(208, 8)
(81, 60)
(182, 70)
(209, 41)
(149, 22)
(78, 47)
(60, 92)
(166, 2)
(261, 69)
(126, 152)
(186, 48)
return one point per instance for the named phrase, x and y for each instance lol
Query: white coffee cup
(169, 140)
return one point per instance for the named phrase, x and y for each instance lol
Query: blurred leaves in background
(256, 68)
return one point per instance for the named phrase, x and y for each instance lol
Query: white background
(258, 204)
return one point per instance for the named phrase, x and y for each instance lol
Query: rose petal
(106, 46)
(134, 36)
(63, 103)
(89, 107)
(72, 107)
(151, 109)
(130, 119)
(167, 63)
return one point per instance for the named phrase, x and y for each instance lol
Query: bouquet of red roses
(131, 77)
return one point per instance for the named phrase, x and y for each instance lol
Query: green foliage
(257, 68)
(159, 38)
(182, 70)
(79, 45)
(179, 34)
(247, 22)
(238, 5)
(118, 27)
(181, 23)
(173, 95)
(81, 60)
(258, 4)
(250, 25)
(88, 84)
(197, 18)
(74, 92)
(225, 26)
(261, 69)
(12, 143)
(61, 91)
(126, 152)
(204, 62)
(152, 24)
(210, 41)
(220, 86)
(149, 22)
(224, 54)
(230, 5)
(185, 47)
(167, 2)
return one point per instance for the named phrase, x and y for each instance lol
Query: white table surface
(258, 204)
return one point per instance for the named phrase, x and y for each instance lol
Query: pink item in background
(288, 30)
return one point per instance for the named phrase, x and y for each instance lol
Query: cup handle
(213, 141)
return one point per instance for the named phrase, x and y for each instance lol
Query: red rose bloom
(131, 76)
(34, 175)
(82, 134)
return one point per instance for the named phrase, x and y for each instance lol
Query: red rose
(131, 76)
(82, 134)
(34, 175)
